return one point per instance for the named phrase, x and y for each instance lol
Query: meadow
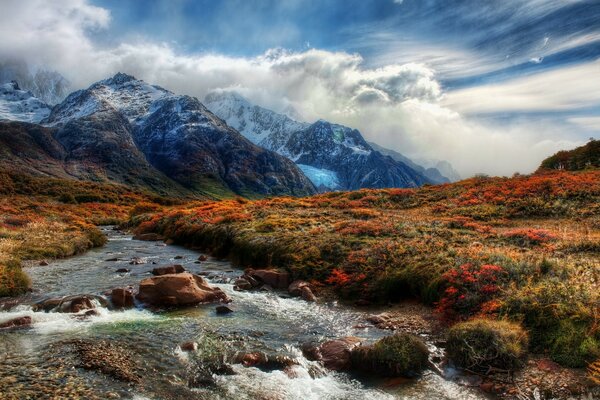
(524, 249)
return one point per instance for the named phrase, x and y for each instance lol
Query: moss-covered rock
(402, 354)
(481, 344)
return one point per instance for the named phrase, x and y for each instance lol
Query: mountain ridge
(126, 130)
(334, 157)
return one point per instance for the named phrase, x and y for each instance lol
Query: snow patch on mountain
(21, 105)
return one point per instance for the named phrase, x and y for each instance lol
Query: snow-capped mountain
(261, 126)
(333, 156)
(21, 105)
(125, 130)
(48, 86)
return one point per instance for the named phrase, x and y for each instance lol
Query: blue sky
(513, 37)
(493, 86)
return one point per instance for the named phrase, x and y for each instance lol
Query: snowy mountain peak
(118, 79)
(131, 97)
(21, 105)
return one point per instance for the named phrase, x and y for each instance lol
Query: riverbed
(38, 363)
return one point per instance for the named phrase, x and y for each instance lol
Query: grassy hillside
(584, 157)
(525, 248)
(42, 218)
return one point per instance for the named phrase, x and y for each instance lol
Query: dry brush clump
(485, 345)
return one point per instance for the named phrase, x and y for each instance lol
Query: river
(33, 360)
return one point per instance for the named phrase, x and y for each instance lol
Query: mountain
(124, 130)
(333, 156)
(447, 170)
(432, 173)
(21, 105)
(583, 157)
(48, 86)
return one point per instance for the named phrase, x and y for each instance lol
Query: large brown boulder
(169, 269)
(275, 278)
(295, 288)
(178, 290)
(122, 297)
(20, 322)
(337, 354)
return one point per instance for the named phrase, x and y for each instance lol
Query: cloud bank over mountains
(402, 105)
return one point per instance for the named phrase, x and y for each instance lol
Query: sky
(493, 86)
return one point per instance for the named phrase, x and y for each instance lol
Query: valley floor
(524, 249)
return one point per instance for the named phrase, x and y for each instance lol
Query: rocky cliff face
(333, 156)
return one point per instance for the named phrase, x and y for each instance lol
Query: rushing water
(264, 321)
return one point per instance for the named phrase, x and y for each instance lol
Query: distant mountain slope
(78, 151)
(48, 86)
(124, 130)
(432, 173)
(21, 105)
(583, 157)
(332, 156)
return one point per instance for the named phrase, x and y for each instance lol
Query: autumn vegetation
(524, 249)
(43, 219)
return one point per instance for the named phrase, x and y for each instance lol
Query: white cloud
(398, 105)
(556, 90)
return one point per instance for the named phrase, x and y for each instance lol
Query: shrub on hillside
(484, 344)
(565, 329)
(401, 354)
(13, 280)
(470, 289)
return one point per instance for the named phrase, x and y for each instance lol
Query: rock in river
(169, 269)
(20, 322)
(122, 297)
(274, 278)
(337, 354)
(178, 290)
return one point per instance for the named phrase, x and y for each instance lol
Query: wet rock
(379, 319)
(43, 263)
(169, 269)
(178, 257)
(275, 278)
(20, 322)
(138, 261)
(122, 297)
(150, 237)
(112, 259)
(222, 310)
(70, 304)
(337, 354)
(251, 359)
(122, 271)
(202, 258)
(189, 346)
(47, 305)
(307, 294)
(295, 288)
(241, 284)
(178, 290)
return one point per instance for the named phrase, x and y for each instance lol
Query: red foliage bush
(530, 237)
(470, 289)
